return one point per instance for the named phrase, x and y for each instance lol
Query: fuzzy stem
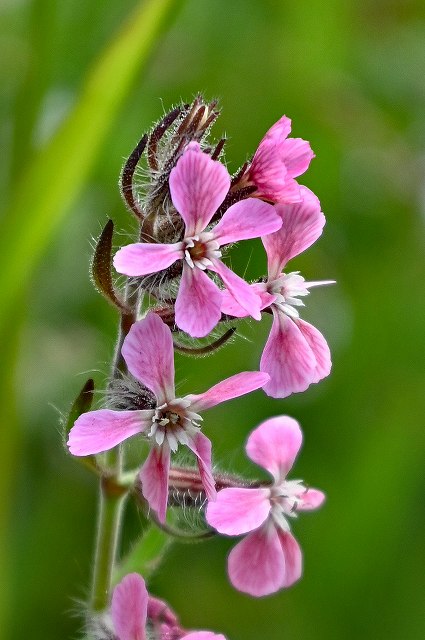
(111, 505)
(111, 496)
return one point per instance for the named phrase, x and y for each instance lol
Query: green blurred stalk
(49, 186)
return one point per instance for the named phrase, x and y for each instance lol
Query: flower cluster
(179, 287)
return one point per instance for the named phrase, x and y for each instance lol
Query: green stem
(111, 505)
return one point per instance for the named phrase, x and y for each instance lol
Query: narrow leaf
(102, 266)
(81, 404)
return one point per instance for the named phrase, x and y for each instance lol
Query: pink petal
(203, 635)
(139, 259)
(198, 304)
(302, 225)
(233, 387)
(201, 447)
(154, 478)
(257, 565)
(198, 186)
(158, 610)
(319, 347)
(129, 607)
(98, 431)
(243, 293)
(149, 353)
(287, 358)
(297, 155)
(238, 511)
(274, 445)
(278, 132)
(250, 218)
(293, 558)
(310, 499)
(231, 307)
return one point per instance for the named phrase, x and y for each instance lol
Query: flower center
(287, 288)
(174, 423)
(284, 499)
(200, 250)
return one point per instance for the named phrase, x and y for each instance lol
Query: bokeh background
(351, 76)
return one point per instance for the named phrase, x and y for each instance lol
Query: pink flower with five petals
(131, 607)
(148, 353)
(277, 162)
(198, 186)
(296, 353)
(269, 558)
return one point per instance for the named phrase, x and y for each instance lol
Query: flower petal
(198, 186)
(238, 511)
(310, 499)
(319, 347)
(98, 431)
(302, 225)
(274, 445)
(201, 447)
(297, 155)
(149, 353)
(154, 478)
(250, 218)
(257, 565)
(287, 358)
(198, 304)
(159, 611)
(293, 558)
(139, 259)
(243, 293)
(232, 308)
(128, 608)
(233, 387)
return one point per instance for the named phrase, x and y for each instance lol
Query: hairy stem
(108, 532)
(111, 496)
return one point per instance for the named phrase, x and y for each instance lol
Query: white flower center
(200, 250)
(288, 288)
(284, 498)
(174, 423)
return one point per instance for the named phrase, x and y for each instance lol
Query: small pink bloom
(269, 558)
(277, 161)
(198, 186)
(296, 353)
(132, 606)
(148, 352)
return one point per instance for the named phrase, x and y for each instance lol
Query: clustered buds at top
(136, 615)
(190, 209)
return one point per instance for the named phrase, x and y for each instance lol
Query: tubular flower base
(269, 558)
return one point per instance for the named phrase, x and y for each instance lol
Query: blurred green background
(351, 76)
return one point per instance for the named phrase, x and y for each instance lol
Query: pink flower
(277, 161)
(148, 352)
(269, 558)
(198, 186)
(131, 607)
(296, 353)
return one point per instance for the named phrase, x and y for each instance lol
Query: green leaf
(101, 267)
